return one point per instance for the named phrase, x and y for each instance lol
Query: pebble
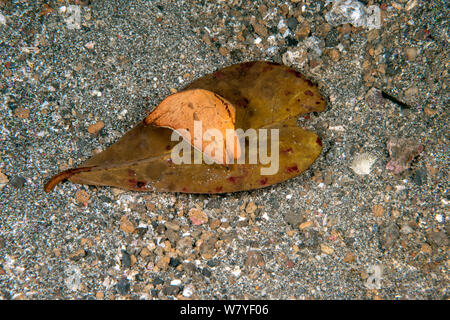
(17, 182)
(254, 259)
(260, 29)
(82, 197)
(411, 53)
(22, 113)
(306, 225)
(126, 260)
(326, 249)
(188, 291)
(378, 210)
(388, 235)
(333, 54)
(251, 207)
(304, 31)
(411, 92)
(126, 225)
(175, 282)
(437, 238)
(292, 23)
(174, 262)
(349, 257)
(96, 127)
(197, 216)
(224, 51)
(77, 255)
(171, 290)
(123, 286)
(420, 177)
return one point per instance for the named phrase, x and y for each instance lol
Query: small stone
(77, 255)
(90, 45)
(429, 112)
(411, 92)
(374, 97)
(437, 238)
(254, 259)
(306, 225)
(197, 217)
(188, 291)
(22, 113)
(345, 29)
(214, 223)
(251, 208)
(293, 218)
(145, 252)
(292, 23)
(420, 177)
(174, 262)
(388, 235)
(224, 51)
(172, 226)
(173, 90)
(349, 257)
(333, 54)
(304, 31)
(99, 295)
(163, 263)
(260, 29)
(326, 249)
(171, 290)
(123, 286)
(296, 57)
(96, 127)
(411, 53)
(126, 225)
(82, 197)
(206, 272)
(372, 35)
(378, 210)
(126, 260)
(426, 249)
(17, 182)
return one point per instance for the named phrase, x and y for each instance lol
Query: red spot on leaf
(235, 180)
(219, 189)
(291, 169)
(295, 73)
(318, 141)
(309, 93)
(218, 75)
(246, 66)
(287, 151)
(263, 181)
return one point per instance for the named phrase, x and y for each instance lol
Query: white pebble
(175, 282)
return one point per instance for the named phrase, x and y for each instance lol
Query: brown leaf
(265, 96)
